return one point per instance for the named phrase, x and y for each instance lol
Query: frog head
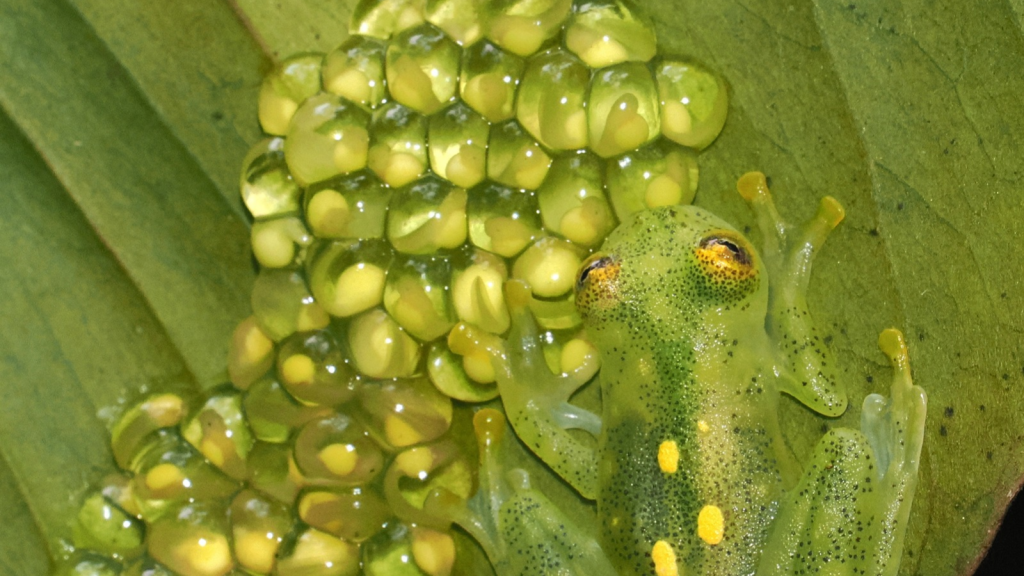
(669, 268)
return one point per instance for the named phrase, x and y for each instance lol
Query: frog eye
(726, 257)
(599, 269)
(597, 286)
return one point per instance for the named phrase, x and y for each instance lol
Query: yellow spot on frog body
(703, 426)
(664, 559)
(711, 525)
(668, 457)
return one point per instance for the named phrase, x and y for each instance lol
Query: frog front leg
(807, 367)
(848, 514)
(521, 531)
(536, 400)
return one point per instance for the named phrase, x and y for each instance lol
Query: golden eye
(598, 269)
(597, 284)
(726, 257)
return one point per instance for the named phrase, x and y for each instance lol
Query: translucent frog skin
(698, 334)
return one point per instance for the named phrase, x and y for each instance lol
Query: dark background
(1006, 557)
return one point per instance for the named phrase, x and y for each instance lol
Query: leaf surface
(124, 258)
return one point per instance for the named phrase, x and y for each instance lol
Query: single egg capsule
(553, 99)
(523, 26)
(409, 411)
(419, 471)
(514, 158)
(549, 266)
(168, 471)
(572, 201)
(623, 112)
(433, 551)
(458, 145)
(347, 277)
(502, 220)
(285, 89)
(489, 79)
(273, 472)
(557, 313)
(385, 18)
(315, 370)
(380, 347)
(219, 431)
(315, 552)
(104, 527)
(422, 67)
(607, 32)
(446, 371)
(193, 541)
(350, 206)
(250, 354)
(694, 102)
(326, 138)
(568, 351)
(267, 186)
(474, 347)
(280, 242)
(478, 280)
(355, 70)
(427, 215)
(390, 552)
(416, 295)
(258, 526)
(660, 174)
(337, 450)
(136, 427)
(354, 514)
(273, 413)
(463, 20)
(398, 144)
(283, 305)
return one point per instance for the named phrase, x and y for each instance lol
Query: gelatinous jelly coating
(439, 151)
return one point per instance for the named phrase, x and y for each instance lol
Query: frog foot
(520, 530)
(788, 253)
(535, 399)
(894, 428)
(853, 501)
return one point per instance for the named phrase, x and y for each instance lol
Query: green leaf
(125, 265)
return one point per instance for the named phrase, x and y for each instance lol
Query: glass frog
(697, 335)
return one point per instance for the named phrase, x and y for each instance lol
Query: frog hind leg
(894, 428)
(522, 532)
(788, 253)
(535, 399)
(848, 514)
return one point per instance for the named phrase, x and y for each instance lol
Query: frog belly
(712, 512)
